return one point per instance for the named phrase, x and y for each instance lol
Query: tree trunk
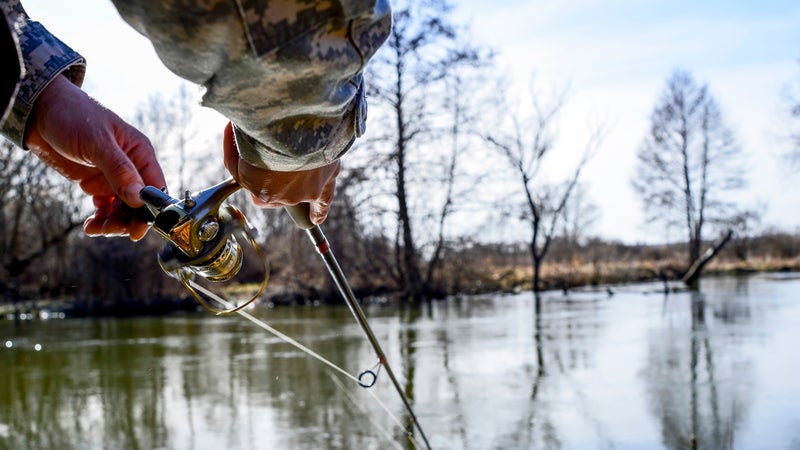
(537, 268)
(412, 278)
(693, 274)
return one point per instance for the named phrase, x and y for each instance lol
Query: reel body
(200, 231)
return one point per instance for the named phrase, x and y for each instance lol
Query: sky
(613, 56)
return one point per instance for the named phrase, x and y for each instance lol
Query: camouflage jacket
(12, 64)
(287, 73)
(44, 57)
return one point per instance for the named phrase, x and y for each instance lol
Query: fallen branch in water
(691, 275)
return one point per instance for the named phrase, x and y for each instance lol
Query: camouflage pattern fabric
(287, 73)
(12, 71)
(44, 57)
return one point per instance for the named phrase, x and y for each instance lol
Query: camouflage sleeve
(9, 77)
(287, 73)
(44, 57)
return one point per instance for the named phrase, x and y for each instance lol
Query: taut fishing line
(357, 405)
(266, 327)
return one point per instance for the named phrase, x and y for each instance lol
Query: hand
(273, 189)
(90, 145)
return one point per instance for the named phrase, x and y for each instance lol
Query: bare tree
(38, 211)
(168, 124)
(407, 78)
(687, 162)
(459, 180)
(580, 214)
(793, 99)
(524, 142)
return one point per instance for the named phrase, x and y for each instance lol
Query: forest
(425, 200)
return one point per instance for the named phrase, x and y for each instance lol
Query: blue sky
(615, 56)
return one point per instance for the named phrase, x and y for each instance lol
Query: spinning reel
(200, 231)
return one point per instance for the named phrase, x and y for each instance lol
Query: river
(714, 369)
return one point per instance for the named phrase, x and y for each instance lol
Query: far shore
(556, 277)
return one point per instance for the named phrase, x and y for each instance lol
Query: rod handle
(142, 213)
(300, 215)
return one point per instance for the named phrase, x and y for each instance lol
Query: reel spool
(200, 231)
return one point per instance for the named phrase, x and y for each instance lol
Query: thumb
(230, 153)
(318, 212)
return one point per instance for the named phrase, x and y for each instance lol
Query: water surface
(636, 370)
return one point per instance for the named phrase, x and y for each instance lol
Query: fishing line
(307, 351)
(357, 405)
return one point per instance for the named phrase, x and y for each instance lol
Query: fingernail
(132, 192)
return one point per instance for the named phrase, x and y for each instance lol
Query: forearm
(44, 58)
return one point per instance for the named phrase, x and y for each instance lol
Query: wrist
(53, 95)
(45, 58)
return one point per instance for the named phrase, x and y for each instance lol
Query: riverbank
(563, 276)
(496, 279)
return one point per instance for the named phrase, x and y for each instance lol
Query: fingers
(119, 178)
(273, 189)
(137, 230)
(96, 184)
(230, 153)
(102, 222)
(318, 212)
(78, 136)
(109, 219)
(143, 157)
(115, 159)
(321, 206)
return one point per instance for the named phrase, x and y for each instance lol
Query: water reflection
(503, 394)
(713, 369)
(698, 382)
(177, 383)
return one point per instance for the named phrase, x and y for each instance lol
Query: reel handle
(141, 213)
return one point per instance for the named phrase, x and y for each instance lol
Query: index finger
(146, 163)
(129, 163)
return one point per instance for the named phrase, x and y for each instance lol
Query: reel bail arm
(200, 231)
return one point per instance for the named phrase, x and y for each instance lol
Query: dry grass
(577, 273)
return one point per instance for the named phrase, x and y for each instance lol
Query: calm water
(637, 370)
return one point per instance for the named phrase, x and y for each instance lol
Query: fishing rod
(300, 216)
(201, 230)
